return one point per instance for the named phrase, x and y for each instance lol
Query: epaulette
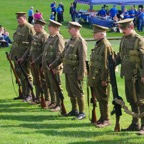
(29, 25)
(139, 37)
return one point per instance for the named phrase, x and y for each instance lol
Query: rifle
(27, 79)
(15, 74)
(117, 108)
(43, 104)
(93, 100)
(60, 94)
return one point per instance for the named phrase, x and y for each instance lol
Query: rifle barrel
(27, 79)
(15, 74)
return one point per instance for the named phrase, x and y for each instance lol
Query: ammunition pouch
(96, 62)
(132, 62)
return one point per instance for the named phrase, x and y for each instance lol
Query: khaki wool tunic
(52, 49)
(37, 49)
(131, 57)
(22, 41)
(21, 48)
(99, 68)
(74, 65)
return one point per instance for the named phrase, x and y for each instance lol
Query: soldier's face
(127, 31)
(72, 31)
(37, 27)
(97, 36)
(51, 29)
(21, 20)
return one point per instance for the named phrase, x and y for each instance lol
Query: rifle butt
(63, 109)
(93, 119)
(43, 103)
(117, 125)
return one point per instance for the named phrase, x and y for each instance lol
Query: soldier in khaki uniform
(131, 57)
(52, 49)
(37, 47)
(74, 59)
(98, 77)
(21, 46)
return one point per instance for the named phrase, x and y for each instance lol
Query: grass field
(22, 123)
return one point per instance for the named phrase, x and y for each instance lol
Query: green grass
(22, 123)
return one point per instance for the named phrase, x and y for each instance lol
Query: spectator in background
(53, 8)
(52, 16)
(1, 33)
(126, 14)
(75, 4)
(140, 20)
(59, 14)
(37, 15)
(72, 12)
(62, 6)
(30, 15)
(140, 6)
(132, 12)
(102, 12)
(113, 12)
(5, 41)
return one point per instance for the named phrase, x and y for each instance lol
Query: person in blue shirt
(30, 15)
(140, 20)
(102, 12)
(132, 12)
(113, 12)
(53, 8)
(126, 14)
(59, 14)
(5, 40)
(52, 16)
(62, 6)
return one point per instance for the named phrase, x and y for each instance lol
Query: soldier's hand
(20, 60)
(104, 83)
(50, 66)
(55, 71)
(142, 79)
(80, 78)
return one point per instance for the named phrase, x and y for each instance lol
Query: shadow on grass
(86, 134)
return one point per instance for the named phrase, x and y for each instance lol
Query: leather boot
(73, 103)
(134, 108)
(141, 132)
(53, 96)
(132, 127)
(141, 111)
(58, 100)
(37, 93)
(46, 93)
(74, 111)
(101, 113)
(105, 110)
(81, 114)
(104, 120)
